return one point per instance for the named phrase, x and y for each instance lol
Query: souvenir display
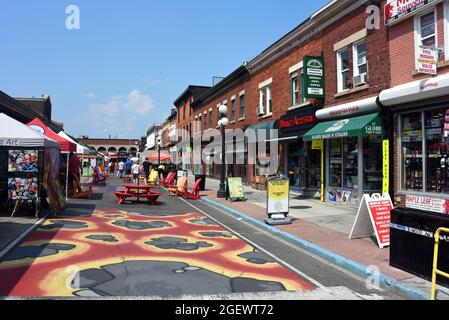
(23, 161)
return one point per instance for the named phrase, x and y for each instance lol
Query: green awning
(366, 125)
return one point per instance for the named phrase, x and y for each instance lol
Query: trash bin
(203, 181)
(412, 242)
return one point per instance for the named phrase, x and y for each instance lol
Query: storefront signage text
(313, 80)
(297, 121)
(428, 204)
(396, 10)
(278, 197)
(386, 166)
(427, 61)
(9, 142)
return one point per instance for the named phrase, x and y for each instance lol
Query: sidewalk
(323, 224)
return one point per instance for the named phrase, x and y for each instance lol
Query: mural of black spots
(141, 225)
(217, 234)
(257, 257)
(65, 224)
(105, 238)
(43, 250)
(177, 244)
(204, 222)
(163, 279)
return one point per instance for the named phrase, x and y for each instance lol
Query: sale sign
(396, 10)
(373, 219)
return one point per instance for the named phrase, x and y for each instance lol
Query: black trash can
(412, 242)
(203, 181)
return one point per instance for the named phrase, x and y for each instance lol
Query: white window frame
(269, 97)
(417, 24)
(355, 57)
(262, 99)
(340, 70)
(233, 111)
(446, 30)
(242, 94)
(294, 76)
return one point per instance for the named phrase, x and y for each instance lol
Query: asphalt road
(173, 250)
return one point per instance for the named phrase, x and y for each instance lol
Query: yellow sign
(278, 196)
(235, 187)
(386, 166)
(317, 144)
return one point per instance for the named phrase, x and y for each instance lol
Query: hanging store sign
(373, 218)
(427, 204)
(317, 144)
(427, 60)
(313, 80)
(396, 10)
(297, 122)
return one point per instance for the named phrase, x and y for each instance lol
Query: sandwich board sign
(373, 218)
(235, 187)
(278, 201)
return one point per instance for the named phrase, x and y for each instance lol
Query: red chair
(194, 193)
(169, 180)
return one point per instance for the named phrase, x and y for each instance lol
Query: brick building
(418, 101)
(114, 148)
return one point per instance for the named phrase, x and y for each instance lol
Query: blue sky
(130, 60)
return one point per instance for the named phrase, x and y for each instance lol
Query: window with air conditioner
(360, 64)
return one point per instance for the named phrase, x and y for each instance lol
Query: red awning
(66, 145)
(154, 157)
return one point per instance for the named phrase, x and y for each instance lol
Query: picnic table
(137, 191)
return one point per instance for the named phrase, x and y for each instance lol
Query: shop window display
(335, 169)
(372, 164)
(434, 157)
(412, 152)
(350, 163)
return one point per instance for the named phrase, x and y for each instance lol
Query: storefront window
(335, 169)
(313, 165)
(412, 152)
(437, 160)
(351, 163)
(372, 164)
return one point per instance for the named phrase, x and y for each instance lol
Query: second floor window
(427, 30)
(265, 101)
(210, 119)
(344, 80)
(294, 83)
(360, 63)
(242, 106)
(233, 110)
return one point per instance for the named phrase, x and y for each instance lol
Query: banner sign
(278, 196)
(427, 60)
(428, 204)
(317, 144)
(235, 186)
(313, 80)
(373, 218)
(396, 10)
(386, 166)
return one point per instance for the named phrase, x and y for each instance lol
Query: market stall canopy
(15, 134)
(164, 156)
(79, 148)
(366, 125)
(39, 126)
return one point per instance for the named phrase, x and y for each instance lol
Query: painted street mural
(115, 253)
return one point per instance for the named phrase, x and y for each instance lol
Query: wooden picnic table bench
(134, 191)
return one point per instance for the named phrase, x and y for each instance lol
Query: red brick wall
(402, 49)
(377, 57)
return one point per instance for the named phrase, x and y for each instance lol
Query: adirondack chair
(98, 177)
(194, 193)
(181, 185)
(78, 191)
(152, 180)
(165, 182)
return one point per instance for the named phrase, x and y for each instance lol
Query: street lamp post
(223, 122)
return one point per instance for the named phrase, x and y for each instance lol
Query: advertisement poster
(427, 61)
(22, 188)
(428, 204)
(373, 219)
(23, 161)
(385, 166)
(235, 186)
(278, 196)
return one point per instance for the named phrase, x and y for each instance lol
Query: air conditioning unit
(260, 111)
(360, 80)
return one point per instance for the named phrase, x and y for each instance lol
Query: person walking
(135, 168)
(112, 168)
(146, 165)
(74, 168)
(121, 167)
(128, 166)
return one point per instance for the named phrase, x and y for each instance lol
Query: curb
(346, 263)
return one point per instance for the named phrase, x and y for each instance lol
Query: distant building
(114, 148)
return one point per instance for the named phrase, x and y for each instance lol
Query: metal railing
(435, 270)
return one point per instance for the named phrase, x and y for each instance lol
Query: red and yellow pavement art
(118, 253)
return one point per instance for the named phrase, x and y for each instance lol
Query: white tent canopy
(79, 148)
(16, 134)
